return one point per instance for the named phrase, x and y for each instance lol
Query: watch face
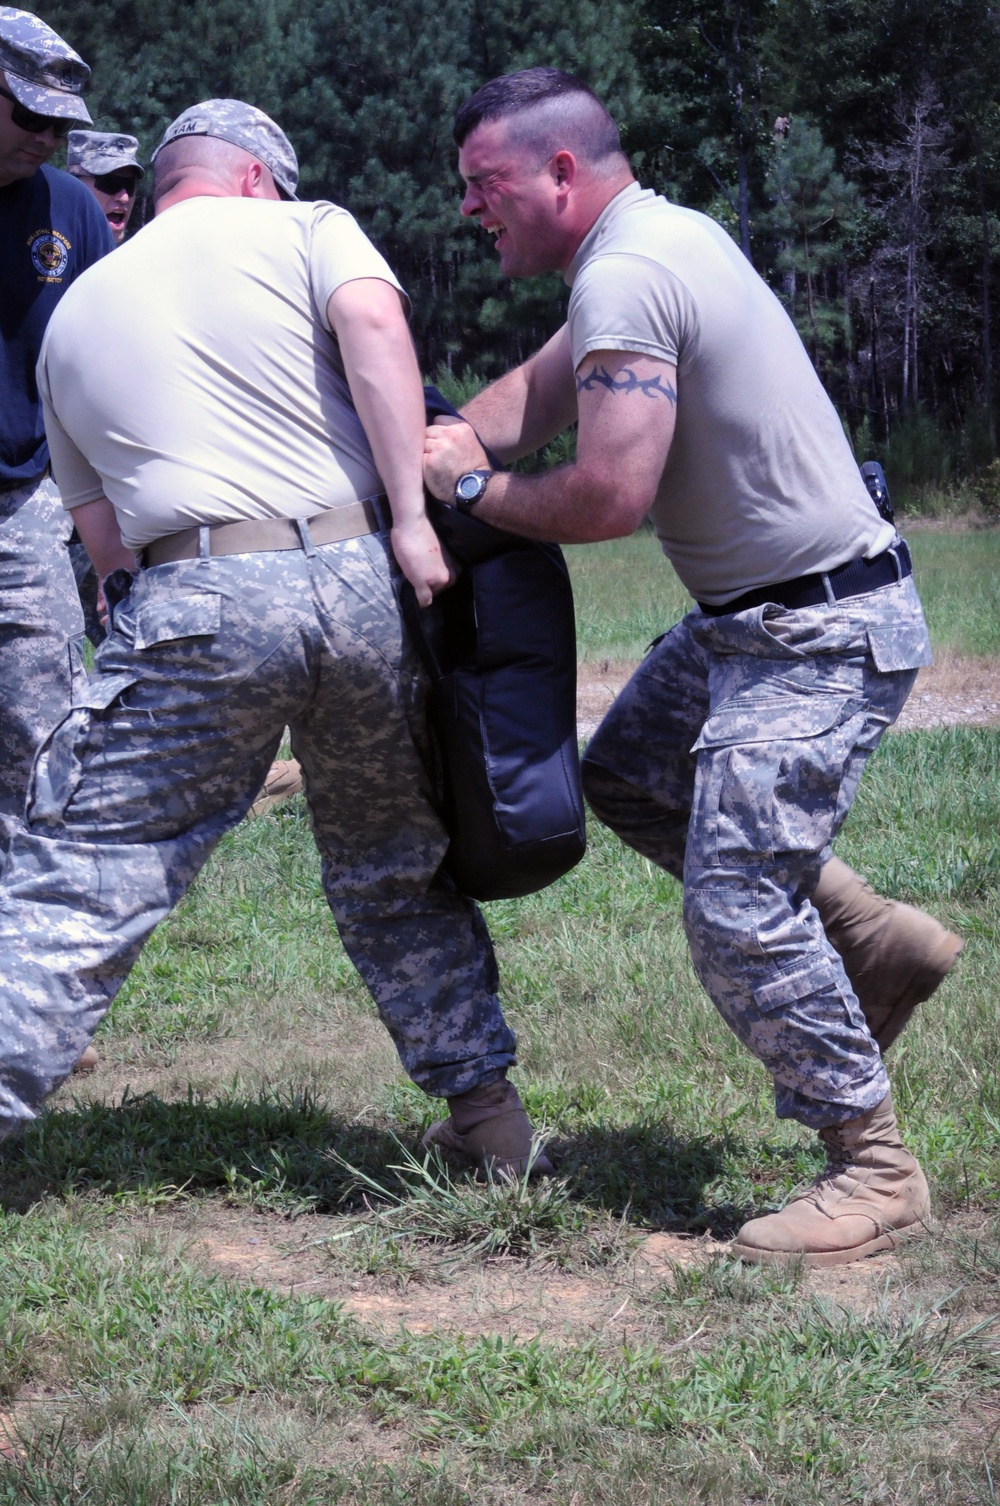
(468, 487)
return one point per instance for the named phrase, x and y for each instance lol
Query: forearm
(561, 506)
(97, 525)
(380, 364)
(529, 406)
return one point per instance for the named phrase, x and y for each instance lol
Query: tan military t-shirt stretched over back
(760, 484)
(233, 404)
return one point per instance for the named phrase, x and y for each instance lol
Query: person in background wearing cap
(256, 355)
(106, 162)
(51, 230)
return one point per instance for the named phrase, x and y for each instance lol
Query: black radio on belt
(873, 476)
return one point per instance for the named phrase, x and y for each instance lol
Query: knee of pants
(608, 795)
(658, 832)
(720, 912)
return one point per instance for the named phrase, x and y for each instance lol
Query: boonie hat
(42, 72)
(241, 125)
(95, 153)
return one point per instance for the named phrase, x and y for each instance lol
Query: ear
(564, 168)
(251, 183)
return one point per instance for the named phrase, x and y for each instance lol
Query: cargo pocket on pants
(769, 776)
(58, 766)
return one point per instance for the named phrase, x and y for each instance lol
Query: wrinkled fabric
(41, 628)
(731, 759)
(167, 747)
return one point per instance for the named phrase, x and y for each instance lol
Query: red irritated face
(518, 199)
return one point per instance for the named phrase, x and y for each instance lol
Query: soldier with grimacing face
(732, 756)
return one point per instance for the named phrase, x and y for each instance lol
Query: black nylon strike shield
(500, 646)
(504, 715)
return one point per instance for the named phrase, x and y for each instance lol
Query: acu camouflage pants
(731, 759)
(166, 748)
(40, 631)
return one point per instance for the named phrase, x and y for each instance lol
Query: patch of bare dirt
(953, 691)
(512, 1298)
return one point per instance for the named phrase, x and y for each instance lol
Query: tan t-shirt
(760, 484)
(195, 378)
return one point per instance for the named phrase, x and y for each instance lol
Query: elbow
(612, 513)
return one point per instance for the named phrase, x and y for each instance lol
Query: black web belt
(855, 578)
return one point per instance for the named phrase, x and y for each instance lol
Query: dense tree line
(851, 147)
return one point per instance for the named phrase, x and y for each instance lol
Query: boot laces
(839, 1156)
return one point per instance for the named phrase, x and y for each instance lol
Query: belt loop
(305, 537)
(831, 599)
(204, 543)
(894, 551)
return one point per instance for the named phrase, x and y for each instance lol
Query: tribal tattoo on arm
(625, 381)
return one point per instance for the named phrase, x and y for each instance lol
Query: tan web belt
(261, 535)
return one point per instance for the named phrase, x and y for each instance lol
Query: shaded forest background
(851, 148)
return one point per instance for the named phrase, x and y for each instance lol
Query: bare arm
(530, 405)
(628, 406)
(97, 525)
(367, 317)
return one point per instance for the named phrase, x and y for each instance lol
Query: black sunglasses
(29, 120)
(115, 182)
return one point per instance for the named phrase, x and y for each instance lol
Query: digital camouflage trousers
(167, 746)
(731, 759)
(40, 631)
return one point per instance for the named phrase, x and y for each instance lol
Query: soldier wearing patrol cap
(106, 162)
(236, 399)
(51, 230)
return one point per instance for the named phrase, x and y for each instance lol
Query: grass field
(206, 1300)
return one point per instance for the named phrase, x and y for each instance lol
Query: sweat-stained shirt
(760, 485)
(234, 404)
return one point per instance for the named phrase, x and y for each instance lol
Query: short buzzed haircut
(220, 159)
(547, 110)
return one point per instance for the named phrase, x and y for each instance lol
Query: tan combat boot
(284, 778)
(89, 1062)
(894, 954)
(871, 1191)
(488, 1128)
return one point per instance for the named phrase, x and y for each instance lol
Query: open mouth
(116, 218)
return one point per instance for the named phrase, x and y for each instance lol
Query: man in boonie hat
(107, 163)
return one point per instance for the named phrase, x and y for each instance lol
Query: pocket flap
(100, 690)
(904, 646)
(176, 617)
(775, 719)
(817, 977)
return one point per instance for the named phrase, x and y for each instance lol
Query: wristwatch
(469, 489)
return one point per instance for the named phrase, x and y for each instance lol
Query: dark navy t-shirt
(51, 229)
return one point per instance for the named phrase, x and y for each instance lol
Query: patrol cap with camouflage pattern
(42, 72)
(241, 125)
(95, 153)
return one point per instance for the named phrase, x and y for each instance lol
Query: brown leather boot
(284, 778)
(894, 954)
(871, 1191)
(488, 1128)
(88, 1062)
